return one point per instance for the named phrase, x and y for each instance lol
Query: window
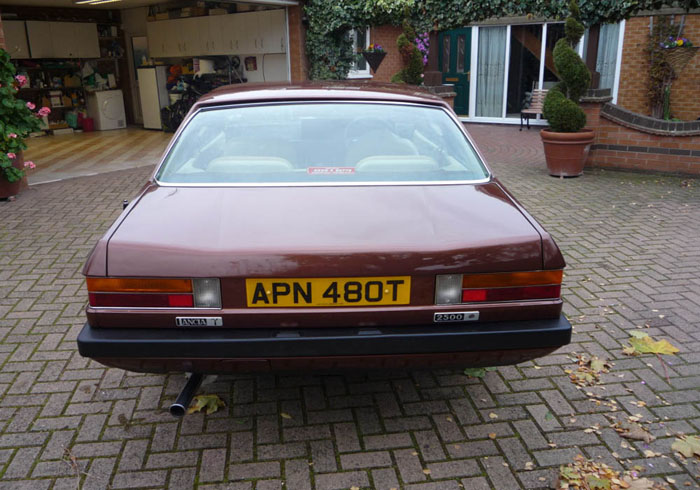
(321, 143)
(360, 41)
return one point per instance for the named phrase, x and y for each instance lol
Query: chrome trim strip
(451, 115)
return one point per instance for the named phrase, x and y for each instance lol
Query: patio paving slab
(631, 243)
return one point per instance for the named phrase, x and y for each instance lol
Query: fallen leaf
(285, 415)
(493, 416)
(206, 403)
(529, 466)
(687, 447)
(426, 471)
(492, 435)
(641, 343)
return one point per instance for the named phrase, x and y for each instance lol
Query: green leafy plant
(329, 49)
(561, 105)
(17, 120)
(412, 72)
(660, 71)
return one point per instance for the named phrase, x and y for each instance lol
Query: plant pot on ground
(17, 120)
(566, 142)
(9, 189)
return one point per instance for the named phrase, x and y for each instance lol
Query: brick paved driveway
(632, 245)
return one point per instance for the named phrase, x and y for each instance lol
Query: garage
(119, 75)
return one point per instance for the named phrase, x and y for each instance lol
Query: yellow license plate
(328, 291)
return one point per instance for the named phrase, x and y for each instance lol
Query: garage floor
(82, 154)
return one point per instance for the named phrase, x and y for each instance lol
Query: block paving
(632, 244)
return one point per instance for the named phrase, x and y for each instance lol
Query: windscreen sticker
(330, 170)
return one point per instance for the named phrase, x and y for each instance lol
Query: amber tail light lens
(486, 288)
(154, 293)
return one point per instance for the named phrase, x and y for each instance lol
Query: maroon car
(322, 226)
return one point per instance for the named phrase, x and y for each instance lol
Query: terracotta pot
(9, 189)
(566, 153)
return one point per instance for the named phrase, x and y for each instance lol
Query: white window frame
(360, 73)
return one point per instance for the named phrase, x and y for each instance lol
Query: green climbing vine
(329, 48)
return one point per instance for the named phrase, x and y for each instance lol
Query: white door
(63, 39)
(272, 31)
(16, 39)
(156, 39)
(215, 31)
(86, 40)
(39, 34)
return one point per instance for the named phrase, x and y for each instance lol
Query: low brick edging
(627, 140)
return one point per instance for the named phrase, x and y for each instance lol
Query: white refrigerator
(154, 94)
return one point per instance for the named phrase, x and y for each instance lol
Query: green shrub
(412, 72)
(561, 107)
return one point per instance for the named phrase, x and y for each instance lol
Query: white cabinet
(272, 31)
(260, 32)
(63, 39)
(86, 39)
(16, 39)
(40, 42)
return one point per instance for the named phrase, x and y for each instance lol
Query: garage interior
(118, 75)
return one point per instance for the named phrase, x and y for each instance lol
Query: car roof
(319, 91)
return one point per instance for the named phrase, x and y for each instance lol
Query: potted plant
(566, 142)
(374, 54)
(17, 120)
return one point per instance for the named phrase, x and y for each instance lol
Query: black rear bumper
(271, 343)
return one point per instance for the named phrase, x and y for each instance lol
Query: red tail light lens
(513, 286)
(510, 294)
(154, 293)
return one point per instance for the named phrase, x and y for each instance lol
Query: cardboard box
(162, 16)
(218, 12)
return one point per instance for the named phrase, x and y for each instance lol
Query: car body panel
(233, 232)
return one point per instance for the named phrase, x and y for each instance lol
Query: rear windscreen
(317, 143)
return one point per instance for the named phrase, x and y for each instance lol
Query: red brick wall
(634, 72)
(297, 51)
(386, 36)
(611, 133)
(2, 34)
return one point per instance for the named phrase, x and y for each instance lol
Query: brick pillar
(592, 103)
(2, 34)
(299, 66)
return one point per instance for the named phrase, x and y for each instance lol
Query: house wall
(386, 36)
(634, 73)
(298, 63)
(2, 34)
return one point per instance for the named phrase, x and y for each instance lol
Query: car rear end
(317, 261)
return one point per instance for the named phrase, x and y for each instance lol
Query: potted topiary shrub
(17, 121)
(566, 142)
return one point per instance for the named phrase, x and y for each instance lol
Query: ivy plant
(329, 48)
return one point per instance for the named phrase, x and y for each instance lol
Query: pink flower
(21, 79)
(11, 156)
(31, 106)
(12, 135)
(29, 164)
(44, 111)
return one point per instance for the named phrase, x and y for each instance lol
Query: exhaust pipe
(179, 408)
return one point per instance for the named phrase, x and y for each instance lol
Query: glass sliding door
(491, 71)
(550, 77)
(607, 54)
(523, 66)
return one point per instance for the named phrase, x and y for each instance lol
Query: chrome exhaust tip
(182, 403)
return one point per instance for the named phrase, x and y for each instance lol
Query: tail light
(486, 288)
(154, 293)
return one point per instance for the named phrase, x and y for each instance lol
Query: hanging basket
(374, 59)
(679, 57)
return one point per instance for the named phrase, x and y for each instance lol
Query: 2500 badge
(328, 291)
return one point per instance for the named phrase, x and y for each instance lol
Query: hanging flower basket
(374, 58)
(679, 57)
